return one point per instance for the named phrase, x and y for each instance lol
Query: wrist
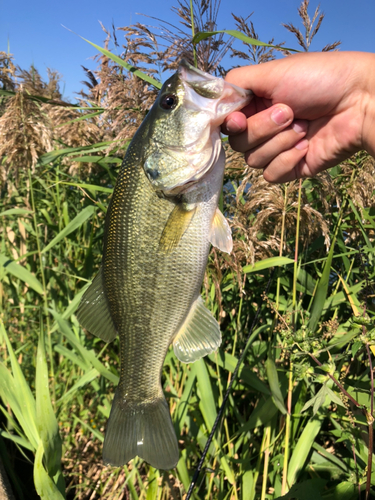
(368, 133)
(368, 128)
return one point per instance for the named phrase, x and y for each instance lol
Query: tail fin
(145, 430)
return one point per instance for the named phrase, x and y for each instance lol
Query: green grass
(286, 426)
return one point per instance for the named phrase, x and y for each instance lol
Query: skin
(310, 111)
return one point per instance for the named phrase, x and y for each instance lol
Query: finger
(261, 156)
(235, 123)
(302, 169)
(285, 167)
(261, 127)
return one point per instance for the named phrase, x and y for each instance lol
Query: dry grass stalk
(25, 134)
(255, 54)
(259, 212)
(361, 190)
(74, 134)
(7, 75)
(310, 31)
(209, 52)
(171, 43)
(64, 129)
(7, 71)
(32, 83)
(125, 97)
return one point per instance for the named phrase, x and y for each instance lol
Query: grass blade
(321, 291)
(52, 156)
(20, 272)
(229, 363)
(267, 263)
(17, 439)
(202, 35)
(16, 211)
(89, 357)
(208, 408)
(46, 420)
(303, 448)
(126, 65)
(72, 226)
(152, 486)
(45, 487)
(84, 380)
(19, 396)
(90, 187)
(183, 403)
(9, 394)
(38, 98)
(273, 380)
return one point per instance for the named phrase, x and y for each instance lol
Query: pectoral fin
(199, 335)
(221, 234)
(93, 312)
(176, 226)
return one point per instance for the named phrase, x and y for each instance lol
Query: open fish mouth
(225, 97)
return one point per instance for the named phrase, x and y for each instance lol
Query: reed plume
(25, 134)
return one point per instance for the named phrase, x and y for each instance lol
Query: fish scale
(156, 284)
(162, 217)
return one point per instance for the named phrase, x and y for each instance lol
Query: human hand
(310, 111)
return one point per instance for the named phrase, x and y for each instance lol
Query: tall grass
(298, 422)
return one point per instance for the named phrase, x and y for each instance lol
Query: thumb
(260, 78)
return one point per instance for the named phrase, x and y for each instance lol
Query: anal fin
(199, 335)
(93, 312)
(221, 234)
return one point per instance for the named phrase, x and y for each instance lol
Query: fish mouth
(214, 88)
(202, 83)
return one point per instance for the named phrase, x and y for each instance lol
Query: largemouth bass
(161, 220)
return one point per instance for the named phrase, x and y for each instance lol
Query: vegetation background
(299, 420)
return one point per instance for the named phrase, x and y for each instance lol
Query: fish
(161, 220)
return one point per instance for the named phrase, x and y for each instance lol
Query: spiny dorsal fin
(176, 226)
(93, 312)
(221, 234)
(199, 335)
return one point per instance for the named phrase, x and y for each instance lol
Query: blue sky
(36, 35)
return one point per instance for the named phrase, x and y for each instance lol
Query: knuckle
(249, 158)
(255, 135)
(269, 176)
(253, 160)
(234, 143)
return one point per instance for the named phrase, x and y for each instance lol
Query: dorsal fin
(199, 335)
(93, 312)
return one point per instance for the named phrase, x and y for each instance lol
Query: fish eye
(169, 101)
